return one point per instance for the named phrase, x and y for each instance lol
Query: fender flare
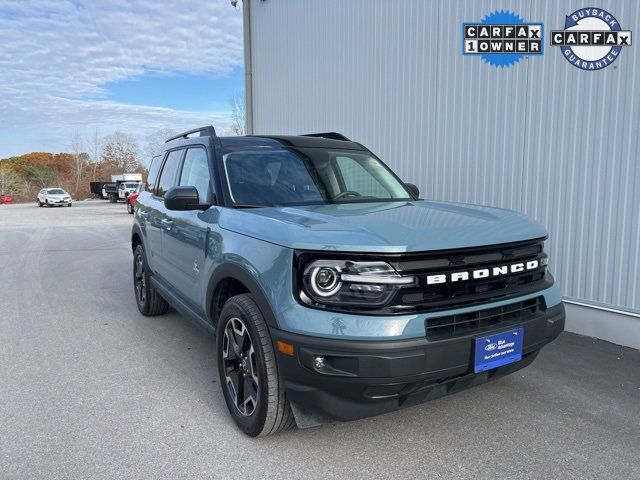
(236, 272)
(137, 230)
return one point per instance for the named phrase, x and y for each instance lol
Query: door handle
(167, 224)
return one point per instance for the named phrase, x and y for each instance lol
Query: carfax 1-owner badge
(502, 38)
(592, 38)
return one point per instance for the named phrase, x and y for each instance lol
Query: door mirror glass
(182, 198)
(413, 190)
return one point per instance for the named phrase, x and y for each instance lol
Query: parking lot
(89, 388)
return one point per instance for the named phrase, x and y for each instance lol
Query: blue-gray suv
(335, 293)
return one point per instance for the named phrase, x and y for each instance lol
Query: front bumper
(365, 378)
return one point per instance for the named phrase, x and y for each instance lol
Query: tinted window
(308, 176)
(154, 168)
(195, 173)
(357, 177)
(169, 172)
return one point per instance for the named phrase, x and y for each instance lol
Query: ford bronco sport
(335, 293)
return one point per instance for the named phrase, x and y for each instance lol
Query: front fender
(239, 273)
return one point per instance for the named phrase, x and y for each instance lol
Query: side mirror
(413, 190)
(182, 198)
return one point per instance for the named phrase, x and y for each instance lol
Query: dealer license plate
(497, 350)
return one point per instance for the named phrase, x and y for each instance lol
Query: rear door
(155, 212)
(185, 236)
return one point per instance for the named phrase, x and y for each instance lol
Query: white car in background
(53, 196)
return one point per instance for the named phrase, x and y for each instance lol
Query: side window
(169, 172)
(195, 173)
(154, 168)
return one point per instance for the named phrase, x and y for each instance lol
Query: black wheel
(47, 203)
(39, 203)
(248, 371)
(70, 205)
(112, 198)
(129, 207)
(149, 301)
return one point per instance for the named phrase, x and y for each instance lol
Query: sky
(139, 66)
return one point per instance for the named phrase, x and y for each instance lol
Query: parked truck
(119, 188)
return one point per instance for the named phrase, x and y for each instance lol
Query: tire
(149, 301)
(254, 362)
(70, 205)
(130, 208)
(39, 203)
(47, 203)
(112, 198)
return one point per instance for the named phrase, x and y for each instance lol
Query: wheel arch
(136, 237)
(239, 280)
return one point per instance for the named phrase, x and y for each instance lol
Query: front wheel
(39, 203)
(251, 386)
(149, 301)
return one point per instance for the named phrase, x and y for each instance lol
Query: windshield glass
(308, 176)
(56, 191)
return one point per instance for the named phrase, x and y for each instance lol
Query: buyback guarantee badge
(502, 38)
(592, 38)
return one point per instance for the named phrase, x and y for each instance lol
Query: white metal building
(541, 136)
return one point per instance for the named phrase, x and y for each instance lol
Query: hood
(383, 227)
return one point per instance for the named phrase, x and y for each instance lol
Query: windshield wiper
(243, 205)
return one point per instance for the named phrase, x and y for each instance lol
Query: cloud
(57, 56)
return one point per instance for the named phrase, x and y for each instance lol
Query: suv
(335, 293)
(53, 196)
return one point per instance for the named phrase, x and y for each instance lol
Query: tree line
(91, 158)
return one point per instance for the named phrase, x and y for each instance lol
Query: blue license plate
(497, 350)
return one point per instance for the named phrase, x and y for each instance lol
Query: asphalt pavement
(89, 388)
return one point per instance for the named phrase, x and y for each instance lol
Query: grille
(467, 323)
(423, 297)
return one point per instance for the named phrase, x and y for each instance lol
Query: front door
(185, 234)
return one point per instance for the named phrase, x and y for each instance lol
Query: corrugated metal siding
(542, 137)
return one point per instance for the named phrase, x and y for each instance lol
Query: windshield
(56, 191)
(131, 185)
(308, 176)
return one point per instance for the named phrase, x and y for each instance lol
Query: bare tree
(236, 101)
(80, 160)
(121, 152)
(155, 141)
(94, 150)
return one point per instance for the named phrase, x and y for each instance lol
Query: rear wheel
(112, 198)
(149, 301)
(251, 386)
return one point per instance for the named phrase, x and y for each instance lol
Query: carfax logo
(592, 38)
(502, 38)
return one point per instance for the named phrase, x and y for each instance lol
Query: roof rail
(207, 131)
(332, 135)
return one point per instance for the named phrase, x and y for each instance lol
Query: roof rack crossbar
(332, 135)
(207, 131)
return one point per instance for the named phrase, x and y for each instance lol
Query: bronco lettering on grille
(482, 272)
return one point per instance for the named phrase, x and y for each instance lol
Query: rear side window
(195, 173)
(154, 168)
(169, 172)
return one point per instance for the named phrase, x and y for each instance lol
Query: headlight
(351, 283)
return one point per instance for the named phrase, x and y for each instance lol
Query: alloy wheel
(240, 367)
(140, 282)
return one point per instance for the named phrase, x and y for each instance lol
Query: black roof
(331, 140)
(290, 140)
